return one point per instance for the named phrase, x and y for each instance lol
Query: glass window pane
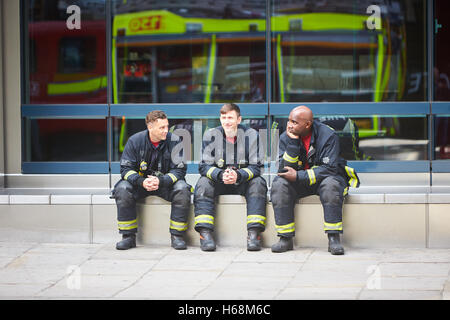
(192, 129)
(348, 50)
(65, 140)
(442, 137)
(66, 51)
(188, 52)
(377, 137)
(441, 51)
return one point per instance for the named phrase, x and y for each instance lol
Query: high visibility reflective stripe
(254, 218)
(285, 228)
(332, 226)
(312, 176)
(77, 87)
(180, 226)
(288, 158)
(345, 191)
(250, 173)
(204, 218)
(127, 225)
(173, 177)
(129, 173)
(211, 68)
(210, 171)
(353, 182)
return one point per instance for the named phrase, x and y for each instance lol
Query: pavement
(48, 271)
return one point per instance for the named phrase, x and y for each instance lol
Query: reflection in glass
(441, 70)
(192, 129)
(348, 50)
(66, 64)
(442, 137)
(377, 137)
(65, 140)
(188, 51)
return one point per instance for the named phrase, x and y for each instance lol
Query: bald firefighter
(309, 163)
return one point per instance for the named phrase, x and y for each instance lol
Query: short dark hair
(227, 107)
(155, 115)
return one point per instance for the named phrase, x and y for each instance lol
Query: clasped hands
(230, 176)
(151, 183)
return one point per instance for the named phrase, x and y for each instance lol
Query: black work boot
(253, 240)
(207, 242)
(128, 241)
(285, 244)
(177, 242)
(334, 244)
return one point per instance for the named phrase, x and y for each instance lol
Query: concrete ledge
(29, 199)
(405, 198)
(102, 199)
(70, 199)
(370, 220)
(4, 199)
(438, 198)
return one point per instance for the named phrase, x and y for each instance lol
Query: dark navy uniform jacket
(243, 155)
(141, 158)
(323, 157)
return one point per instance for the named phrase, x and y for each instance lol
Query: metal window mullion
(430, 62)
(109, 126)
(269, 78)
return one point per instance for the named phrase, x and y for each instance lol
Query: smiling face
(230, 121)
(158, 129)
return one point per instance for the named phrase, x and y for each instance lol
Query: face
(298, 125)
(229, 122)
(158, 129)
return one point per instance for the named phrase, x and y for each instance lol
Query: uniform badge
(326, 160)
(300, 163)
(143, 166)
(220, 163)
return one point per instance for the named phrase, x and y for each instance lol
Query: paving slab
(31, 270)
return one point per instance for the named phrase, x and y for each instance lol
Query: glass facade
(65, 47)
(349, 50)
(92, 70)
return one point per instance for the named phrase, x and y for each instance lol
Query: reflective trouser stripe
(204, 218)
(173, 177)
(290, 159)
(312, 176)
(285, 228)
(127, 225)
(250, 173)
(180, 226)
(332, 226)
(254, 218)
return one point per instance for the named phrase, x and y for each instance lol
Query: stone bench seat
(89, 215)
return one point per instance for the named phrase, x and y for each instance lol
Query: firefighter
(230, 165)
(309, 163)
(148, 167)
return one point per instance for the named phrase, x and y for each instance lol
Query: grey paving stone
(319, 293)
(400, 295)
